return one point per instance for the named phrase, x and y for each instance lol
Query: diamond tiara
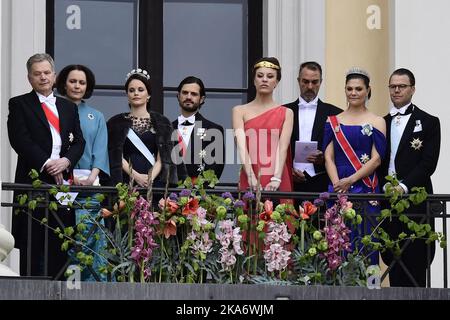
(356, 70)
(140, 72)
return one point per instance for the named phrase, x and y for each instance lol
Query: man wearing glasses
(413, 144)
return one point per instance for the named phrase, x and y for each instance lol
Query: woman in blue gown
(76, 83)
(355, 143)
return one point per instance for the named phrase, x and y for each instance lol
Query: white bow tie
(50, 99)
(182, 119)
(402, 111)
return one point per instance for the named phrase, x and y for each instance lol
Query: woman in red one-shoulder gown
(263, 130)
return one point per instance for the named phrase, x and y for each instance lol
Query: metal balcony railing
(436, 211)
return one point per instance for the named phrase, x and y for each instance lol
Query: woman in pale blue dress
(76, 83)
(365, 134)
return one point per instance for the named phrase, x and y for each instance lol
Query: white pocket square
(418, 126)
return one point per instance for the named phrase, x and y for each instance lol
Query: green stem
(130, 244)
(161, 259)
(142, 272)
(302, 236)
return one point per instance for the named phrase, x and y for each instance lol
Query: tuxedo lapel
(409, 129)
(32, 101)
(62, 118)
(319, 121)
(295, 133)
(192, 141)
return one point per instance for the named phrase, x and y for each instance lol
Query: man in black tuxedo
(413, 144)
(201, 141)
(45, 132)
(310, 115)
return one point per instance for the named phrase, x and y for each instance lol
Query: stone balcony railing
(6, 245)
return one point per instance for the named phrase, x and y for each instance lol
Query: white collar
(182, 118)
(312, 103)
(51, 98)
(393, 111)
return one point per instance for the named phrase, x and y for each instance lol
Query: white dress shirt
(306, 116)
(50, 102)
(398, 126)
(186, 131)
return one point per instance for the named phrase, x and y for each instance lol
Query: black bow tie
(408, 110)
(187, 123)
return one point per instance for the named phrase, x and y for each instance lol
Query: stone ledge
(31, 289)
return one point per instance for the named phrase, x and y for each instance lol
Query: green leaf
(403, 218)
(32, 204)
(33, 174)
(99, 197)
(22, 199)
(65, 246)
(53, 191)
(81, 227)
(385, 213)
(36, 184)
(53, 206)
(69, 231)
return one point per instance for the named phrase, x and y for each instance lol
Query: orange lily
(307, 210)
(170, 229)
(169, 204)
(268, 209)
(191, 207)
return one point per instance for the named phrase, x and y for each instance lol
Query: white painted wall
(421, 44)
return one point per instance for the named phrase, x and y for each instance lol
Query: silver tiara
(356, 70)
(140, 72)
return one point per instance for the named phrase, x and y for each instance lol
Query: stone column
(294, 31)
(357, 34)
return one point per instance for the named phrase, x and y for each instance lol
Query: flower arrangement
(195, 237)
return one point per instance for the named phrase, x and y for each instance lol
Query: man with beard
(201, 142)
(310, 115)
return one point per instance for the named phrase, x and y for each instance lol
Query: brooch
(202, 154)
(71, 137)
(90, 116)
(416, 144)
(364, 158)
(336, 129)
(367, 129)
(201, 132)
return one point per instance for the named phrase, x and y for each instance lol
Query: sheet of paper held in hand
(303, 149)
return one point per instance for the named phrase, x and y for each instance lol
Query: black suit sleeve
(21, 138)
(430, 155)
